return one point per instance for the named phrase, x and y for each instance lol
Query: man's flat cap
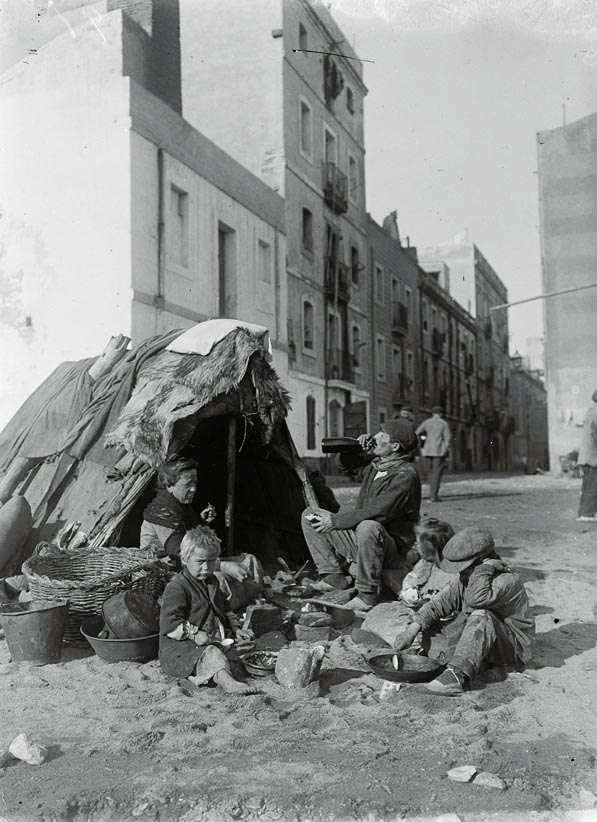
(466, 547)
(402, 431)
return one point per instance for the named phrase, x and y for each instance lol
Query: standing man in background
(436, 448)
(587, 457)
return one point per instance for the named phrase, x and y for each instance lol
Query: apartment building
(449, 366)
(394, 344)
(288, 104)
(118, 215)
(567, 172)
(528, 409)
(476, 286)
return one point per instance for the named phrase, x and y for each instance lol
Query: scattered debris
(587, 798)
(263, 618)
(489, 780)
(462, 773)
(297, 667)
(28, 751)
(388, 689)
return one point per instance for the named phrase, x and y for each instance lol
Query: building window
(426, 377)
(395, 290)
(378, 283)
(355, 264)
(353, 178)
(330, 150)
(408, 298)
(356, 346)
(264, 261)
(307, 230)
(425, 314)
(335, 414)
(308, 325)
(310, 423)
(305, 129)
(410, 365)
(381, 415)
(433, 317)
(380, 358)
(178, 246)
(349, 99)
(303, 41)
(396, 361)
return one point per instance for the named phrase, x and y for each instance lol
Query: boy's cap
(466, 547)
(402, 431)
(437, 409)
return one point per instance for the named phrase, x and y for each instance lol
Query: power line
(332, 54)
(544, 296)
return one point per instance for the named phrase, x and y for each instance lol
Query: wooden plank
(230, 483)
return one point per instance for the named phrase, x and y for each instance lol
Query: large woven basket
(88, 577)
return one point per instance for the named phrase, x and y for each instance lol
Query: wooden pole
(230, 483)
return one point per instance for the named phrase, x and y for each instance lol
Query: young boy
(493, 623)
(193, 617)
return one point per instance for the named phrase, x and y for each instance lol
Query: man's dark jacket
(390, 494)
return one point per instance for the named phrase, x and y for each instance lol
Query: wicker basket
(87, 577)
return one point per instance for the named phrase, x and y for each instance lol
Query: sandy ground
(125, 743)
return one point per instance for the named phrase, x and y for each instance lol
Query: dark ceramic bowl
(411, 667)
(260, 663)
(135, 649)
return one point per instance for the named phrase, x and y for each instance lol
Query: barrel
(34, 630)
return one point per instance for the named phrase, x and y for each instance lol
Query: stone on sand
(22, 747)
(489, 780)
(462, 773)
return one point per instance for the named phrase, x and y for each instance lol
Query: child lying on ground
(194, 619)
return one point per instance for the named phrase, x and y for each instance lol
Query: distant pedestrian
(587, 458)
(435, 449)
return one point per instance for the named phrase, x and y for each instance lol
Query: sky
(457, 94)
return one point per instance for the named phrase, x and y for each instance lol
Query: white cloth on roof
(201, 338)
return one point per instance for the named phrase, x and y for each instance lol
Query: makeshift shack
(87, 443)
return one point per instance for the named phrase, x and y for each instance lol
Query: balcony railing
(399, 318)
(339, 365)
(335, 188)
(337, 279)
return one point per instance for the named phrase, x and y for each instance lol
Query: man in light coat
(436, 448)
(587, 457)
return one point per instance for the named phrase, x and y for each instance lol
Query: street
(125, 743)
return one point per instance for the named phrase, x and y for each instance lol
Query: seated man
(493, 623)
(379, 530)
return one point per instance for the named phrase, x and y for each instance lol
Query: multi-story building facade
(528, 410)
(118, 215)
(393, 346)
(477, 287)
(288, 104)
(567, 169)
(449, 367)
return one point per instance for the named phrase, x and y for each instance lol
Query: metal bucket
(34, 630)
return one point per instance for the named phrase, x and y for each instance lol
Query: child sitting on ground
(426, 577)
(193, 617)
(387, 619)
